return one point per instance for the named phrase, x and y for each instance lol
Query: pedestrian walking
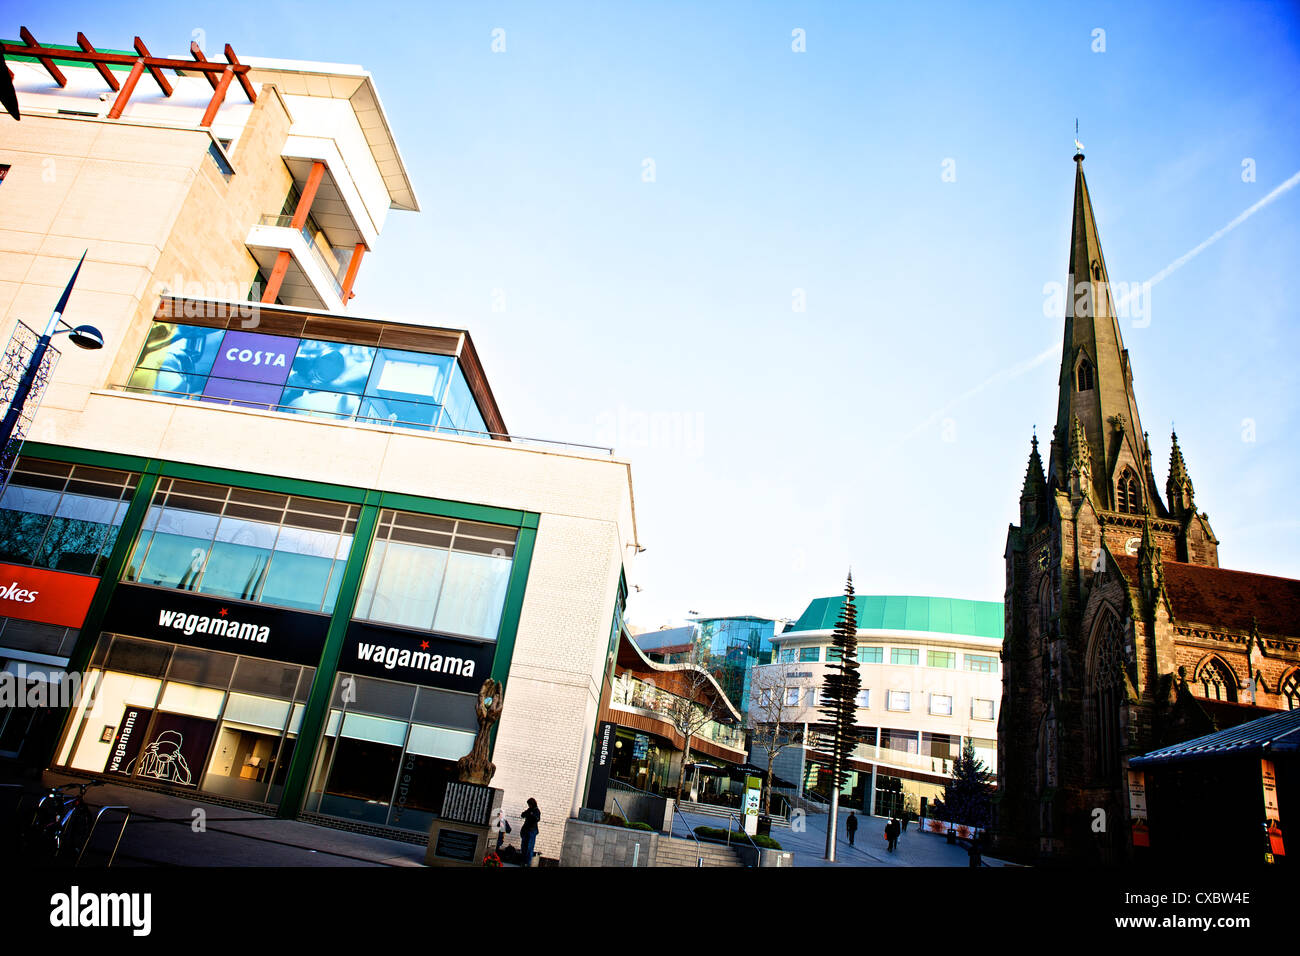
(976, 856)
(891, 834)
(528, 832)
(851, 826)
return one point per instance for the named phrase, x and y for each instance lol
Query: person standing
(852, 826)
(891, 833)
(528, 832)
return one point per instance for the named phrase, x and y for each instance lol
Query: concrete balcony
(314, 277)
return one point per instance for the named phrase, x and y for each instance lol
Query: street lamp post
(83, 336)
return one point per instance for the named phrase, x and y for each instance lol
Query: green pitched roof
(897, 613)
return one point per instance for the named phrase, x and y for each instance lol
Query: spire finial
(1078, 146)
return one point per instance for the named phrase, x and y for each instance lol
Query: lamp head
(87, 337)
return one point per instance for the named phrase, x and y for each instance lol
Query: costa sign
(47, 597)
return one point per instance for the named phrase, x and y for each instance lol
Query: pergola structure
(219, 75)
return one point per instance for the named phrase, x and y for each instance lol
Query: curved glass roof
(906, 613)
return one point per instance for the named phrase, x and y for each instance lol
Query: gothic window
(1085, 375)
(1045, 607)
(1291, 690)
(1217, 681)
(1105, 692)
(1128, 498)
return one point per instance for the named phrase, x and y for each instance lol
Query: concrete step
(678, 852)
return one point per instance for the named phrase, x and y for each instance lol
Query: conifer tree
(839, 733)
(966, 797)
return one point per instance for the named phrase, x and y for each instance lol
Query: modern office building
(650, 704)
(729, 647)
(283, 542)
(930, 678)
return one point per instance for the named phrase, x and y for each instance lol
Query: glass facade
(186, 717)
(904, 655)
(389, 750)
(63, 517)
(242, 544)
(437, 574)
(314, 377)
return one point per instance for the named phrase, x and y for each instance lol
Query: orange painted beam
(277, 277)
(308, 195)
(104, 71)
(351, 275)
(200, 58)
(163, 83)
(124, 94)
(45, 60)
(242, 77)
(218, 94)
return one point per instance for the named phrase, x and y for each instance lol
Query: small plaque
(456, 845)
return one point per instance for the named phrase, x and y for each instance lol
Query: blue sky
(772, 447)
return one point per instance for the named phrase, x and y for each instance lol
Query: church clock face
(1131, 545)
(1044, 558)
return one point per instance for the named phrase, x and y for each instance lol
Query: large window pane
(473, 595)
(239, 559)
(401, 584)
(331, 367)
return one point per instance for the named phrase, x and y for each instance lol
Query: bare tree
(772, 716)
(693, 703)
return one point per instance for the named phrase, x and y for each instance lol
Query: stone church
(1122, 632)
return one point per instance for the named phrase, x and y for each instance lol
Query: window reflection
(63, 517)
(243, 544)
(437, 574)
(322, 379)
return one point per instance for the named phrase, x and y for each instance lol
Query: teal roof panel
(907, 613)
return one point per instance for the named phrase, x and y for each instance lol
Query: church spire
(1151, 570)
(1096, 380)
(1179, 486)
(1079, 476)
(1033, 495)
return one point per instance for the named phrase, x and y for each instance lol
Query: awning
(1275, 734)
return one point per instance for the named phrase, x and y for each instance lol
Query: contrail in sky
(1054, 350)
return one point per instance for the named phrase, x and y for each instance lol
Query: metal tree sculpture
(475, 767)
(840, 732)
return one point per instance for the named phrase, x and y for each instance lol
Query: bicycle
(62, 822)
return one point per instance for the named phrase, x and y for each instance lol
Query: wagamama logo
(198, 624)
(392, 657)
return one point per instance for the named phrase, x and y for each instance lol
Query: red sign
(1141, 833)
(49, 597)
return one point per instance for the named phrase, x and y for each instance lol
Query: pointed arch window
(1046, 607)
(1105, 696)
(1085, 375)
(1291, 690)
(1217, 681)
(1128, 495)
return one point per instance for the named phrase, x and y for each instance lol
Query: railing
(357, 418)
(126, 818)
(286, 222)
(690, 830)
(661, 703)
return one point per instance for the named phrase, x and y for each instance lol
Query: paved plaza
(915, 848)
